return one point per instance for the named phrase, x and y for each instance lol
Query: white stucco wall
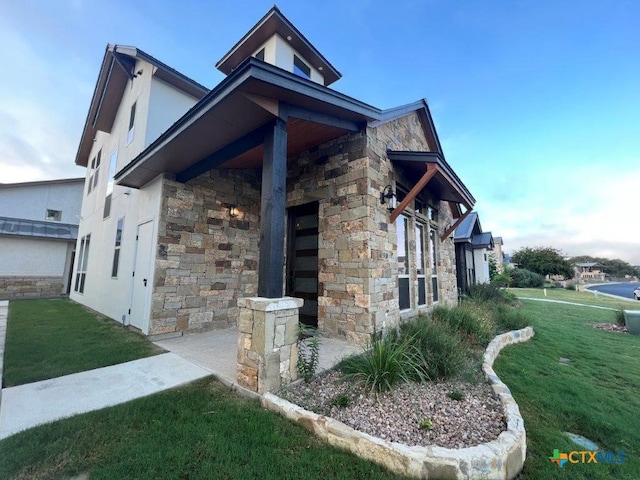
(482, 265)
(156, 109)
(278, 52)
(166, 105)
(31, 200)
(32, 257)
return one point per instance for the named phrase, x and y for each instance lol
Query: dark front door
(302, 260)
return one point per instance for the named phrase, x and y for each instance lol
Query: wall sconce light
(388, 196)
(233, 211)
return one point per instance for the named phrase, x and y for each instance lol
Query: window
(301, 68)
(260, 55)
(404, 296)
(132, 119)
(433, 258)
(93, 173)
(81, 269)
(54, 215)
(116, 252)
(113, 160)
(420, 267)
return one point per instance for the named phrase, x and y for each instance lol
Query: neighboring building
(38, 232)
(473, 247)
(497, 253)
(589, 272)
(270, 184)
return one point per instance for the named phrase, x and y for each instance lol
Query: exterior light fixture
(388, 197)
(233, 211)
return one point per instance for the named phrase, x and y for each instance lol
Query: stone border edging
(500, 458)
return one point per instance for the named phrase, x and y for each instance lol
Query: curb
(502, 458)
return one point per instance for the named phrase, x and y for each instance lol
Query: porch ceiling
(230, 117)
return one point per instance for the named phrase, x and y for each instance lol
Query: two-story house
(473, 247)
(270, 184)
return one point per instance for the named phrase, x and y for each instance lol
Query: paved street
(619, 289)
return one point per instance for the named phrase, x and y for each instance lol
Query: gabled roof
(498, 240)
(117, 69)
(33, 228)
(482, 240)
(424, 114)
(275, 22)
(467, 228)
(588, 264)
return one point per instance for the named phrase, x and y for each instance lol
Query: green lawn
(202, 431)
(51, 338)
(586, 297)
(597, 395)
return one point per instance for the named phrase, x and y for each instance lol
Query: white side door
(142, 284)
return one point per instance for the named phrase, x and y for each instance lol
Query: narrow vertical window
(132, 120)
(113, 160)
(93, 172)
(420, 267)
(260, 55)
(116, 251)
(81, 269)
(300, 68)
(433, 257)
(404, 298)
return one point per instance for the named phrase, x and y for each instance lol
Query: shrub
(508, 319)
(502, 279)
(444, 350)
(488, 292)
(387, 361)
(620, 318)
(341, 400)
(522, 278)
(456, 395)
(570, 286)
(425, 424)
(471, 319)
(308, 351)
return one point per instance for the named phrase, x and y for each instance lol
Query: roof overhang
(225, 128)
(445, 184)
(117, 69)
(274, 22)
(21, 227)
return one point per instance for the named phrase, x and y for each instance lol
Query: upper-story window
(301, 68)
(54, 215)
(113, 160)
(93, 174)
(260, 55)
(132, 119)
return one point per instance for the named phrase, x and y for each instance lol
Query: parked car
(636, 293)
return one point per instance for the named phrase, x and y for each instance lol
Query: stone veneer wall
(25, 287)
(205, 259)
(358, 291)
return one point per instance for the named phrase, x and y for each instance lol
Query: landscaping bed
(414, 414)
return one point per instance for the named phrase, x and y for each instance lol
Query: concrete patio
(217, 351)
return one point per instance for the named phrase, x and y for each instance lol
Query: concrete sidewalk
(36, 403)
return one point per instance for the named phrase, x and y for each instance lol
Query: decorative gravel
(397, 416)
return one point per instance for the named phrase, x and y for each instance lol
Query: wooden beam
(431, 171)
(451, 182)
(272, 212)
(288, 110)
(455, 225)
(226, 153)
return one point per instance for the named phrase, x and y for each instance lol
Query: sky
(536, 103)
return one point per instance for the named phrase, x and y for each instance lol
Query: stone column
(267, 342)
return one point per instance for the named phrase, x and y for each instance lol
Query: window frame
(53, 215)
(94, 172)
(407, 263)
(301, 68)
(132, 123)
(81, 264)
(115, 265)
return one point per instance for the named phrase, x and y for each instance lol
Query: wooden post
(272, 212)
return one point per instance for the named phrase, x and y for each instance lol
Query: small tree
(493, 267)
(543, 261)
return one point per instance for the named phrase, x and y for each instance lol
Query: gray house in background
(38, 231)
(473, 247)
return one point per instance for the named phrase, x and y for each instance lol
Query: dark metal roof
(467, 228)
(447, 184)
(484, 239)
(274, 22)
(246, 97)
(33, 228)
